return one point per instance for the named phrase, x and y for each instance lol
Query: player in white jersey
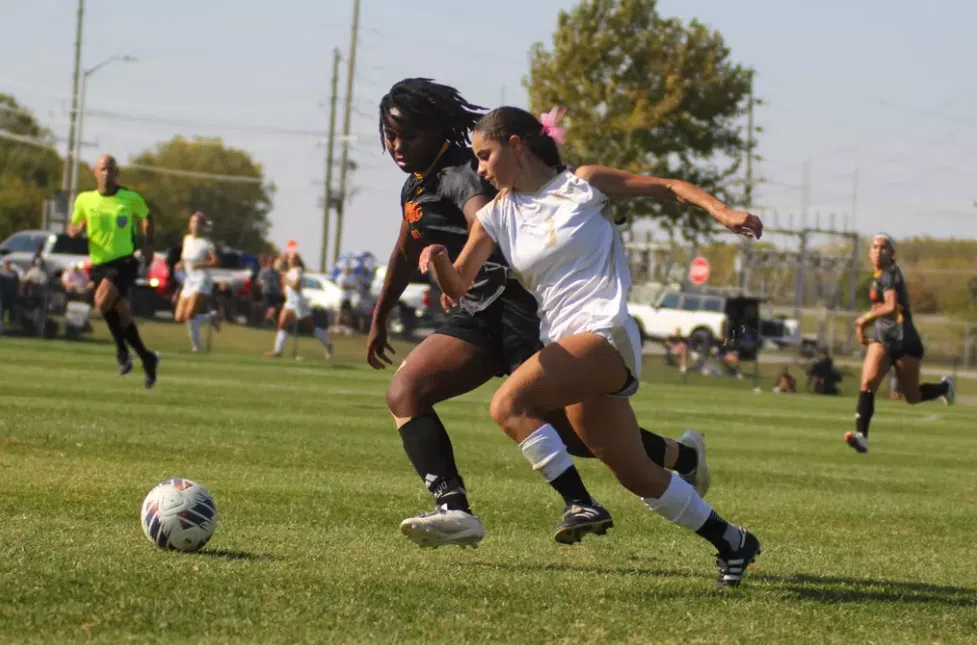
(197, 257)
(549, 223)
(296, 309)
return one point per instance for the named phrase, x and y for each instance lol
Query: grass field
(311, 483)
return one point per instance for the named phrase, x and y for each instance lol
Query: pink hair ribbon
(551, 127)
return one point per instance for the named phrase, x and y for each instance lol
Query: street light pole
(73, 188)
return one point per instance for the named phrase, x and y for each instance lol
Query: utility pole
(69, 157)
(348, 108)
(854, 196)
(805, 190)
(327, 201)
(744, 276)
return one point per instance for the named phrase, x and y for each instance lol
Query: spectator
(270, 285)
(34, 279)
(822, 377)
(9, 288)
(77, 283)
(786, 384)
(895, 393)
(677, 347)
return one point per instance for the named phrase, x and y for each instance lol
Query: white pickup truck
(699, 317)
(703, 318)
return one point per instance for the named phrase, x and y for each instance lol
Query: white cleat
(444, 527)
(699, 478)
(951, 392)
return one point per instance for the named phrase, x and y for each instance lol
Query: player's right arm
(78, 219)
(400, 268)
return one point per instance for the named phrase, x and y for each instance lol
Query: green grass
(311, 483)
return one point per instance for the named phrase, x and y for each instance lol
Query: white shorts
(627, 341)
(191, 286)
(299, 306)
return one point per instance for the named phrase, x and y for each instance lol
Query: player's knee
(404, 396)
(507, 407)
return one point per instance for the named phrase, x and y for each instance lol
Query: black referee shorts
(508, 329)
(122, 272)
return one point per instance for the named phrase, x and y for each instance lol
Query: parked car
(701, 318)
(58, 250)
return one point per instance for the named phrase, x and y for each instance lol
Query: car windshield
(24, 242)
(70, 245)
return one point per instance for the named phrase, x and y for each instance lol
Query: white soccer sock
(194, 326)
(280, 339)
(322, 335)
(546, 452)
(680, 504)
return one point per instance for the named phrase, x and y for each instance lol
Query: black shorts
(910, 346)
(122, 272)
(508, 329)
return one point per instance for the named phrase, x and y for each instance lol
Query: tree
(646, 94)
(30, 168)
(238, 210)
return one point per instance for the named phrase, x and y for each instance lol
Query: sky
(884, 90)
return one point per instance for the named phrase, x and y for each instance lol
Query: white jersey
(571, 258)
(294, 299)
(196, 249)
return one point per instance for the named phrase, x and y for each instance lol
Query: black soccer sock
(428, 447)
(720, 533)
(112, 321)
(864, 411)
(930, 391)
(571, 488)
(656, 446)
(135, 342)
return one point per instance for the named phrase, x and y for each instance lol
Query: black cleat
(150, 368)
(125, 364)
(581, 519)
(732, 565)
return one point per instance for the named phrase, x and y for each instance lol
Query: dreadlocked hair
(431, 106)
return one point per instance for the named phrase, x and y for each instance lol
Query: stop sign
(699, 271)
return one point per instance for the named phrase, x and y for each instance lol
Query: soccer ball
(179, 514)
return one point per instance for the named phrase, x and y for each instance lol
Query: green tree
(646, 94)
(30, 171)
(238, 210)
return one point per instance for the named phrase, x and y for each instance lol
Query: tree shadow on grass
(802, 586)
(225, 554)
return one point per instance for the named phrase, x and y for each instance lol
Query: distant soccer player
(297, 309)
(199, 255)
(894, 343)
(109, 215)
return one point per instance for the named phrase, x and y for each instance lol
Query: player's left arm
(621, 184)
(141, 212)
(455, 279)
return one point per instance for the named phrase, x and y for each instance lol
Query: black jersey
(899, 326)
(433, 206)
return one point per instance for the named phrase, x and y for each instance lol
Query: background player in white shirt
(548, 222)
(197, 258)
(297, 309)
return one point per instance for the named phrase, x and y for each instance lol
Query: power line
(241, 179)
(259, 129)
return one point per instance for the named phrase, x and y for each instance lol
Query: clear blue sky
(884, 86)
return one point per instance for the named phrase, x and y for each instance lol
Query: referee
(109, 215)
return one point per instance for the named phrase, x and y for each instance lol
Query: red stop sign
(699, 271)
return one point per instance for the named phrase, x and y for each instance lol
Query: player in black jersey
(425, 127)
(893, 342)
